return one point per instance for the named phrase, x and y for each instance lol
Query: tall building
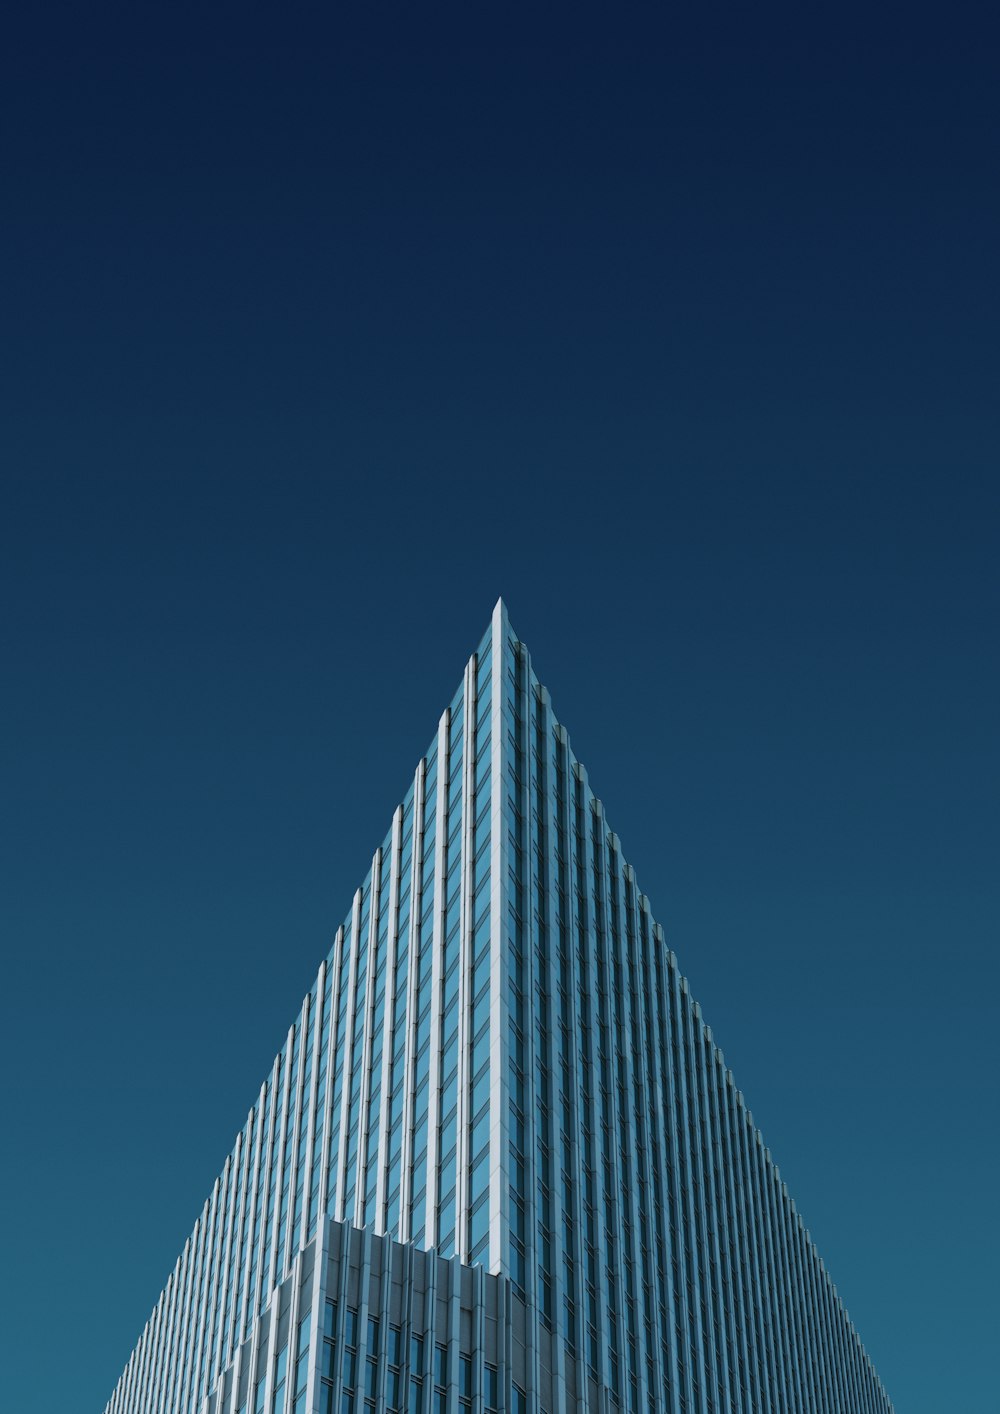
(499, 1162)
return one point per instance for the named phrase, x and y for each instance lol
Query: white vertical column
(177, 1335)
(437, 951)
(229, 1185)
(313, 1136)
(657, 967)
(204, 1278)
(315, 1393)
(646, 1256)
(712, 1206)
(739, 1322)
(529, 993)
(163, 1364)
(266, 1157)
(159, 1365)
(149, 1349)
(193, 1317)
(364, 1089)
(247, 1250)
(303, 1097)
(325, 1206)
(388, 1019)
(465, 965)
(410, 1004)
(208, 1301)
(633, 1067)
(499, 1199)
(246, 1163)
(274, 1275)
(268, 1339)
(345, 1088)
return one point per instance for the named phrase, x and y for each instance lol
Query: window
(280, 1367)
(490, 1387)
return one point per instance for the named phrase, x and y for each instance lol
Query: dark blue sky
(320, 333)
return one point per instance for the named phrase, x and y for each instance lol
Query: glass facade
(501, 1065)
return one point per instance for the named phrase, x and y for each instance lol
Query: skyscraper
(499, 1162)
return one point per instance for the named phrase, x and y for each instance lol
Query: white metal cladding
(361, 1319)
(500, 1061)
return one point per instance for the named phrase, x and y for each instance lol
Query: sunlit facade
(499, 1162)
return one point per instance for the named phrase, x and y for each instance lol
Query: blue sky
(319, 334)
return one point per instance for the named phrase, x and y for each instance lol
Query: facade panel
(500, 1074)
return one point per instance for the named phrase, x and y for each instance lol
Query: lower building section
(364, 1323)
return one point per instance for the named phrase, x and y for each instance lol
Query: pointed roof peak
(500, 615)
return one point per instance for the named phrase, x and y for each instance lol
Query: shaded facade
(499, 1089)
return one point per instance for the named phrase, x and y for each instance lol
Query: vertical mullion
(502, 657)
(197, 1340)
(692, 1275)
(410, 1004)
(247, 1226)
(702, 1037)
(737, 1257)
(665, 1149)
(574, 935)
(205, 1341)
(274, 1275)
(359, 1216)
(465, 959)
(328, 1207)
(312, 1137)
(612, 1199)
(437, 949)
(345, 1084)
(388, 1026)
(226, 1275)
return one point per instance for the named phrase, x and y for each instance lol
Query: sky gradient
(318, 335)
